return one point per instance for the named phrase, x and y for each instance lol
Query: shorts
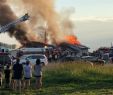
(7, 80)
(26, 78)
(0, 82)
(12, 77)
(38, 76)
(17, 78)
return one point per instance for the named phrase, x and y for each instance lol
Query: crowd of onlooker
(18, 75)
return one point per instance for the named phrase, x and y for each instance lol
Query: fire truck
(50, 52)
(6, 27)
(5, 58)
(25, 51)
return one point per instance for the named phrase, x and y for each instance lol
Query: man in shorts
(18, 73)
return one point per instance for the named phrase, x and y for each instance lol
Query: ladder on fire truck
(6, 27)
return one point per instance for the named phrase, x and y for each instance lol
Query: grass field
(74, 78)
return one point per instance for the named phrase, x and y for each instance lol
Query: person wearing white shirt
(38, 73)
(27, 74)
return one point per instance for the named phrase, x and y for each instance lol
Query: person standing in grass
(12, 76)
(38, 73)
(7, 72)
(0, 78)
(0, 75)
(18, 73)
(27, 74)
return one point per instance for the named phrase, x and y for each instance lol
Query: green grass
(75, 78)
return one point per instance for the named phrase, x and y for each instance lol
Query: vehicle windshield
(35, 57)
(23, 57)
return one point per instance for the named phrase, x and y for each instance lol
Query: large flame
(72, 39)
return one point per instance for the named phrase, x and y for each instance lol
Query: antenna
(111, 44)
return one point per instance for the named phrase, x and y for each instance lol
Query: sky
(84, 8)
(93, 21)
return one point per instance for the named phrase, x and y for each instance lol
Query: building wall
(85, 52)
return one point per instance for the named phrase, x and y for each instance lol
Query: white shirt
(38, 70)
(27, 71)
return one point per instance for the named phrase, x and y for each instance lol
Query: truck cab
(4, 58)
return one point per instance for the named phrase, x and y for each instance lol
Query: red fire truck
(4, 58)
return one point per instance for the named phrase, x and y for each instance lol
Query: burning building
(41, 11)
(74, 50)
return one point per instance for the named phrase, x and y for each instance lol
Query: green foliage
(73, 78)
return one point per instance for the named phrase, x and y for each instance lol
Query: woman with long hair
(38, 73)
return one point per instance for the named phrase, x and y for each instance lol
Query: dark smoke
(20, 32)
(45, 8)
(38, 9)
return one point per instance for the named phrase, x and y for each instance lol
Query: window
(38, 56)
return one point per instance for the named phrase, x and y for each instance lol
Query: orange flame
(72, 39)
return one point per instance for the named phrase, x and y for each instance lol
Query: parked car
(99, 62)
(69, 58)
(93, 59)
(89, 58)
(32, 58)
(106, 57)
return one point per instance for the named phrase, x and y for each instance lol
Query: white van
(32, 58)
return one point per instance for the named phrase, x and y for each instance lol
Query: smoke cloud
(39, 11)
(58, 26)
(45, 10)
(20, 32)
(68, 26)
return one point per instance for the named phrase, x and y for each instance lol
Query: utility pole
(45, 34)
(111, 44)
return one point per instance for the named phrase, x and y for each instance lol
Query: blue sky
(93, 20)
(88, 7)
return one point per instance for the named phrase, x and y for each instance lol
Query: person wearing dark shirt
(7, 72)
(0, 75)
(18, 73)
